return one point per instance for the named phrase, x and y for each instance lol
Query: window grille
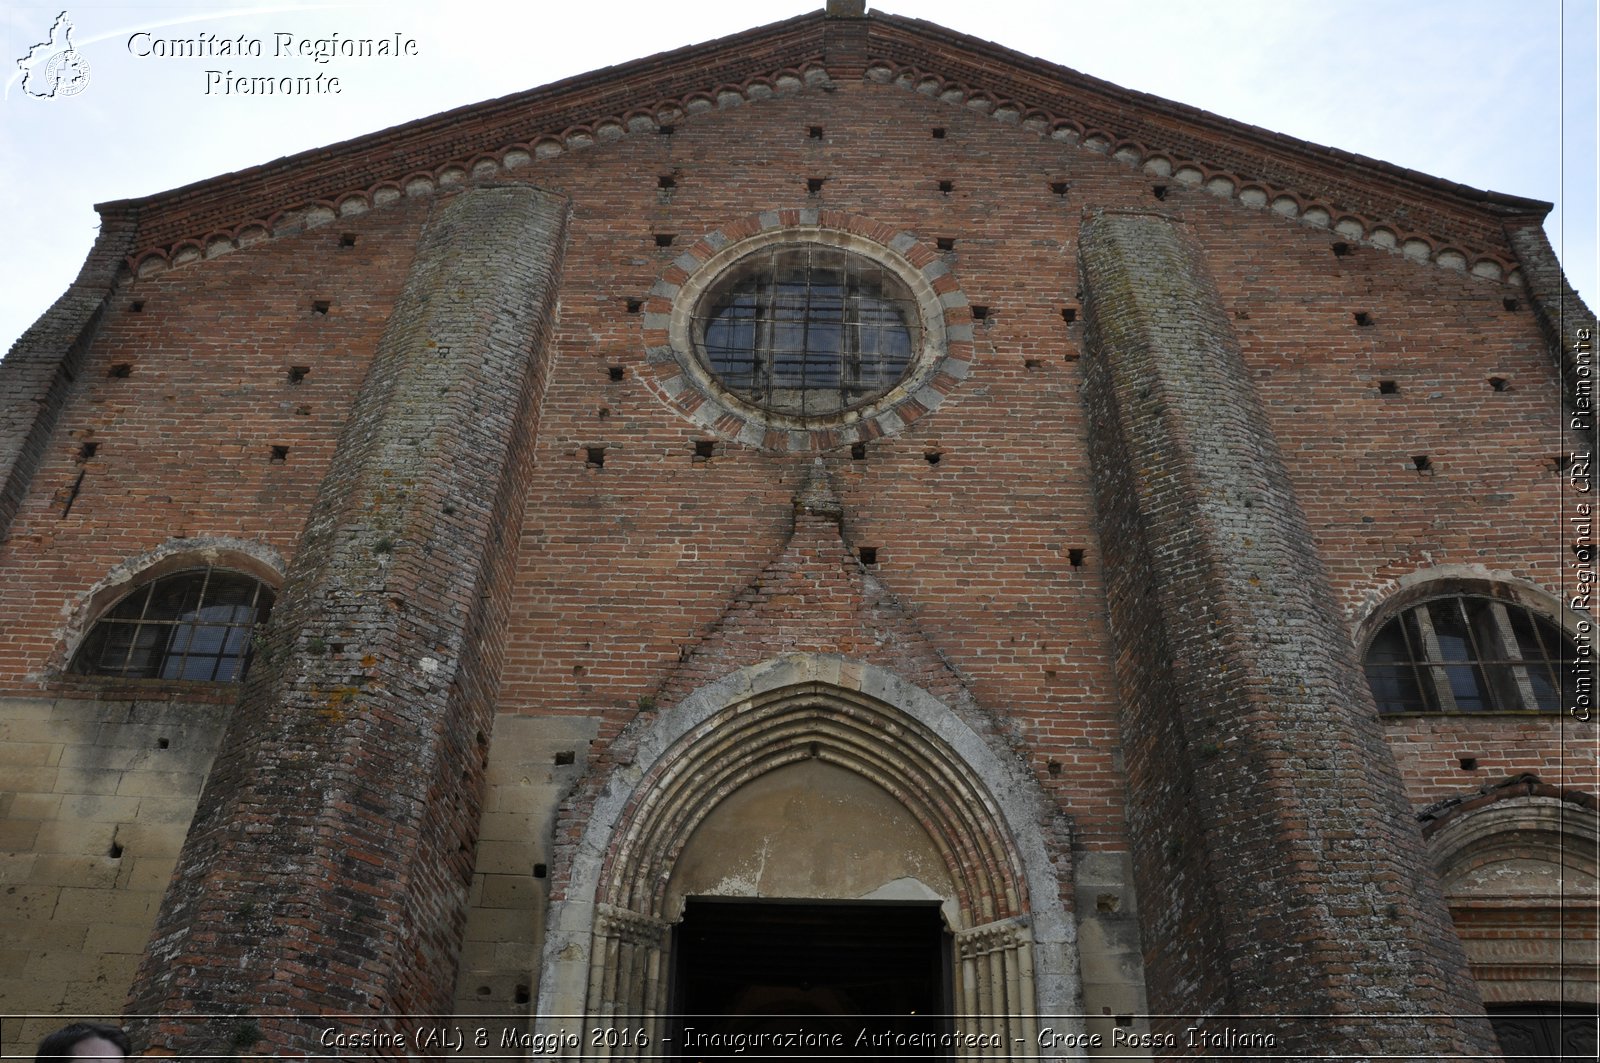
(1469, 654)
(808, 330)
(194, 625)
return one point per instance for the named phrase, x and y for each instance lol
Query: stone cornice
(1359, 199)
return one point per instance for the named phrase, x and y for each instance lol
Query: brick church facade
(841, 520)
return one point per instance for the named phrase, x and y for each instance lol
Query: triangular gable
(1362, 199)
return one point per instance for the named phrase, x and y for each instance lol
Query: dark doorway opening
(1544, 1033)
(872, 978)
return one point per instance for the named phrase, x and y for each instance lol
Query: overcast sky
(1480, 92)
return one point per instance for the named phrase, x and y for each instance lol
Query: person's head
(83, 1040)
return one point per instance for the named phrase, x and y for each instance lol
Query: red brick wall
(624, 568)
(184, 441)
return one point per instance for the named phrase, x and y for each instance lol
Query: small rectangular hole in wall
(1031, 363)
(115, 852)
(938, 132)
(815, 132)
(298, 373)
(1362, 318)
(1069, 314)
(1388, 387)
(666, 130)
(1123, 1021)
(814, 184)
(858, 452)
(540, 871)
(635, 305)
(87, 451)
(1511, 303)
(666, 180)
(932, 457)
(946, 243)
(523, 994)
(1059, 187)
(1499, 383)
(980, 313)
(320, 306)
(1075, 557)
(1421, 462)
(162, 743)
(280, 455)
(120, 371)
(704, 448)
(566, 756)
(1341, 249)
(614, 373)
(868, 555)
(947, 187)
(1159, 191)
(665, 239)
(594, 457)
(1053, 767)
(302, 411)
(1560, 463)
(347, 240)
(1468, 763)
(136, 307)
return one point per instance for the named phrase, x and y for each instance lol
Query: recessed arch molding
(607, 955)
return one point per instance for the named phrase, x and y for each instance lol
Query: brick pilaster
(329, 861)
(1568, 325)
(38, 373)
(1278, 869)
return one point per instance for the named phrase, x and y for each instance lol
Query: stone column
(328, 865)
(628, 979)
(994, 985)
(1279, 869)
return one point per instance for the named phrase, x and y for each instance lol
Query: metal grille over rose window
(808, 330)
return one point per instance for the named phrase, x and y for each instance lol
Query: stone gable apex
(1360, 199)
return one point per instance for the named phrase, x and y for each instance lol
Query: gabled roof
(1360, 198)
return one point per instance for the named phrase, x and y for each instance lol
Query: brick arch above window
(186, 608)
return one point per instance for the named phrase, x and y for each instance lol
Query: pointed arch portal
(797, 804)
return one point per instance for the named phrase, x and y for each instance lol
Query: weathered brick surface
(1251, 740)
(363, 728)
(38, 373)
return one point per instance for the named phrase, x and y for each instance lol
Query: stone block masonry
(363, 729)
(1278, 871)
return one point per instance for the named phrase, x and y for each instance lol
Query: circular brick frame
(676, 374)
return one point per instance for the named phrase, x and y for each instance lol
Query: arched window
(1470, 653)
(194, 624)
